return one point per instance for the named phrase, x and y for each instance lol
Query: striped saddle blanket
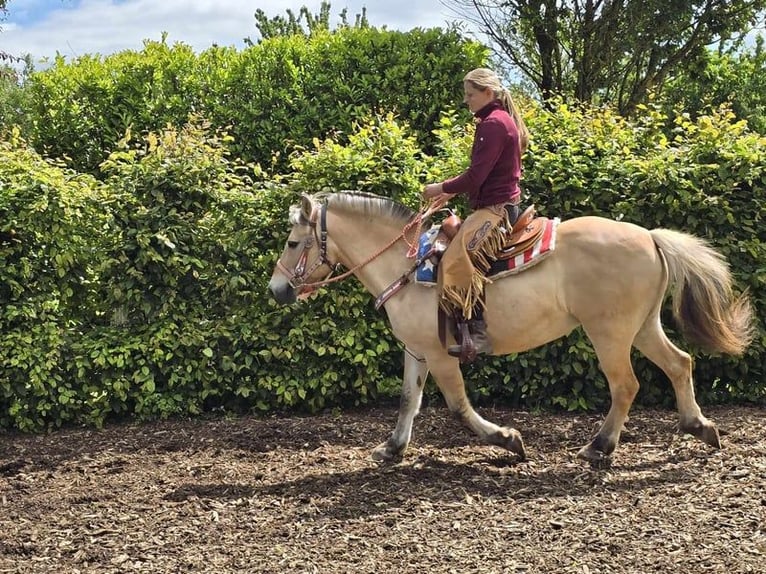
(426, 272)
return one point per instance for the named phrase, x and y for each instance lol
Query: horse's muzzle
(283, 292)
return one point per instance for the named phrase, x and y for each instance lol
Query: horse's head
(304, 260)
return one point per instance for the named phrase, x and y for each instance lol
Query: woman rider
(491, 182)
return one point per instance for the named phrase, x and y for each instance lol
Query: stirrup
(466, 351)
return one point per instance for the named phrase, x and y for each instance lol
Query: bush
(14, 98)
(382, 156)
(707, 178)
(736, 79)
(272, 97)
(162, 308)
(53, 228)
(146, 295)
(80, 111)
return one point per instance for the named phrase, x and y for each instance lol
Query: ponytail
(511, 107)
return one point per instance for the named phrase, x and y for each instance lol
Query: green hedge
(706, 178)
(53, 227)
(272, 97)
(144, 293)
(151, 298)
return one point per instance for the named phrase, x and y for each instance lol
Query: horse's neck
(358, 243)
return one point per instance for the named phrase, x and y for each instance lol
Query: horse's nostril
(284, 294)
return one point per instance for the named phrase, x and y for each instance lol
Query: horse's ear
(307, 207)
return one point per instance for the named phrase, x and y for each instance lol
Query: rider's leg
(462, 277)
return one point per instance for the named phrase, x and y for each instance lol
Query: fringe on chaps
(463, 268)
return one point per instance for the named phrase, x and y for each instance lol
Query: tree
(292, 24)
(14, 94)
(737, 80)
(613, 51)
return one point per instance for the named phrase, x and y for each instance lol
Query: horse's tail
(704, 304)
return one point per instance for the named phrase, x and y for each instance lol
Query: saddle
(524, 232)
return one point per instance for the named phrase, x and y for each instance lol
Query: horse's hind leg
(677, 365)
(449, 379)
(415, 373)
(613, 353)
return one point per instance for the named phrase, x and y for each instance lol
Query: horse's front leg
(415, 373)
(449, 379)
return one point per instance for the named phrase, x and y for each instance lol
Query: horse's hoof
(516, 444)
(510, 439)
(705, 431)
(384, 453)
(597, 458)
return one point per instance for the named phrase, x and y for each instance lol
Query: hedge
(143, 293)
(706, 178)
(171, 315)
(53, 226)
(271, 97)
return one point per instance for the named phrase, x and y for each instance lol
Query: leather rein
(297, 277)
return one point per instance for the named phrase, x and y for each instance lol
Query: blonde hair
(484, 78)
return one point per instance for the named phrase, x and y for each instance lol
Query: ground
(302, 495)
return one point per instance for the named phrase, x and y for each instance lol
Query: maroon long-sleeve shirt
(495, 170)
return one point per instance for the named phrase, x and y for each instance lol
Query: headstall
(297, 277)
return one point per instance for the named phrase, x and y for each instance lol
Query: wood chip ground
(302, 495)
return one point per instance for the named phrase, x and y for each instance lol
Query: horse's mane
(367, 204)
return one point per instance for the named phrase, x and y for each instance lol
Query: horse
(609, 277)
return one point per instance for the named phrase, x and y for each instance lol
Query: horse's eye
(292, 244)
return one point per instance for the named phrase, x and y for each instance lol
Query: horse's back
(597, 244)
(600, 231)
(608, 267)
(602, 273)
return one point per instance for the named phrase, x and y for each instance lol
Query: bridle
(297, 277)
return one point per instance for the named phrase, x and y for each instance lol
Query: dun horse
(609, 277)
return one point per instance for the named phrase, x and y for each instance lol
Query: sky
(74, 28)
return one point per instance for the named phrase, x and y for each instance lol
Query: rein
(297, 277)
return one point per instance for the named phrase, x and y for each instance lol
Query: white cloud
(106, 26)
(101, 26)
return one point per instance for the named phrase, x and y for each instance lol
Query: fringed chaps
(463, 268)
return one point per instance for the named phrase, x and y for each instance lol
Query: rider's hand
(433, 190)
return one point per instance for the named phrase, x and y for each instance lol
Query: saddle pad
(425, 274)
(531, 256)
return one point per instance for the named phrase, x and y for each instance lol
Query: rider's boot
(473, 341)
(480, 338)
